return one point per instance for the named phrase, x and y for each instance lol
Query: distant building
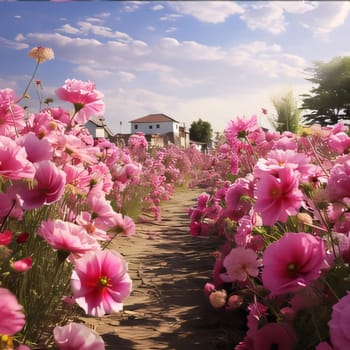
(98, 128)
(161, 130)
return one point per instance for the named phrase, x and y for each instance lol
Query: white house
(155, 124)
(161, 130)
(98, 128)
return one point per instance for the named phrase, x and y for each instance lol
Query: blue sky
(214, 60)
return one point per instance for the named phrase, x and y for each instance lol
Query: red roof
(154, 118)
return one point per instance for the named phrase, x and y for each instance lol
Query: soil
(167, 308)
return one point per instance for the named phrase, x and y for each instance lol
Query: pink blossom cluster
(281, 213)
(63, 188)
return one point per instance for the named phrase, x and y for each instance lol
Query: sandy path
(167, 308)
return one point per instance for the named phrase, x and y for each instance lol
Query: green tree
(201, 131)
(329, 100)
(288, 113)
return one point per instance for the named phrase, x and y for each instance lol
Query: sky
(214, 60)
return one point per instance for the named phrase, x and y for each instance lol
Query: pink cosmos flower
(11, 114)
(275, 335)
(338, 185)
(13, 160)
(117, 223)
(278, 159)
(48, 188)
(37, 149)
(340, 323)
(12, 317)
(324, 346)
(5, 237)
(277, 198)
(240, 127)
(76, 336)
(100, 282)
(240, 263)
(10, 204)
(292, 262)
(237, 199)
(85, 220)
(67, 236)
(85, 98)
(22, 265)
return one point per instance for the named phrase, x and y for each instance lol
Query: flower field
(278, 204)
(281, 209)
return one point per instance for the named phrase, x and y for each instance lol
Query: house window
(157, 126)
(150, 127)
(135, 126)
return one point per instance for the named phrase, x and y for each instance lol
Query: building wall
(155, 128)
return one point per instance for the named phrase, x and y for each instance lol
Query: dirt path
(167, 308)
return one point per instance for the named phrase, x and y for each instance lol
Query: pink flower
(11, 114)
(240, 127)
(340, 323)
(37, 149)
(292, 262)
(237, 199)
(117, 223)
(23, 264)
(85, 98)
(13, 160)
(12, 317)
(67, 236)
(48, 188)
(100, 282)
(277, 198)
(275, 335)
(338, 185)
(240, 263)
(323, 346)
(76, 336)
(5, 237)
(278, 159)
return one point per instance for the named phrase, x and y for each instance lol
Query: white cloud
(92, 73)
(157, 7)
(68, 29)
(327, 16)
(267, 16)
(12, 44)
(151, 28)
(170, 30)
(170, 17)
(126, 76)
(209, 12)
(17, 16)
(132, 6)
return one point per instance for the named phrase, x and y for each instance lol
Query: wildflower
(48, 188)
(86, 99)
(241, 263)
(278, 197)
(5, 237)
(22, 265)
(13, 160)
(339, 324)
(12, 317)
(275, 335)
(75, 336)
(11, 114)
(41, 54)
(22, 237)
(67, 236)
(100, 282)
(292, 262)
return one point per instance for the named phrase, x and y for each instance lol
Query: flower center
(104, 281)
(275, 192)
